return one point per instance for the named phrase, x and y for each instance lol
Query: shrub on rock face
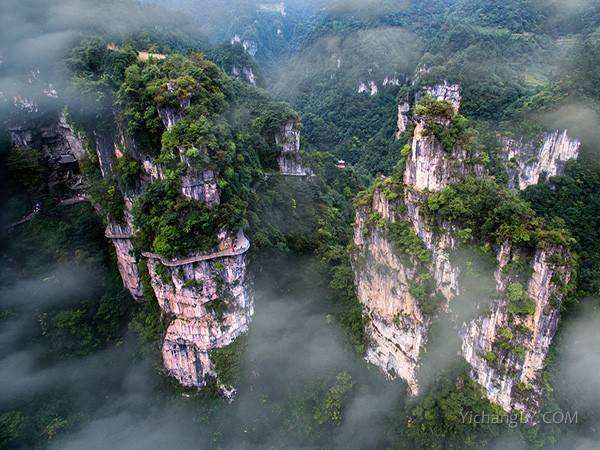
(518, 300)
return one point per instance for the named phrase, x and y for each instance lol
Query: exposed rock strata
(528, 164)
(402, 123)
(512, 377)
(290, 161)
(189, 293)
(397, 327)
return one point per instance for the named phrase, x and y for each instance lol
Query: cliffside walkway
(25, 219)
(75, 200)
(240, 246)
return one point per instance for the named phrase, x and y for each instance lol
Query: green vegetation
(28, 169)
(442, 418)
(519, 301)
(490, 356)
(406, 241)
(428, 106)
(331, 408)
(495, 212)
(127, 172)
(11, 426)
(166, 83)
(171, 224)
(228, 361)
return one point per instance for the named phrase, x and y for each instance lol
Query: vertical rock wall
(528, 164)
(290, 161)
(211, 306)
(505, 350)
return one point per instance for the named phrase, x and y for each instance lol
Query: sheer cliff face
(290, 161)
(244, 74)
(61, 146)
(121, 236)
(430, 167)
(402, 123)
(507, 351)
(208, 299)
(211, 304)
(528, 164)
(396, 327)
(504, 347)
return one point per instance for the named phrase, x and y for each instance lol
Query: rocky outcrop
(506, 344)
(250, 46)
(396, 327)
(244, 74)
(290, 161)
(200, 184)
(430, 167)
(61, 146)
(171, 115)
(507, 351)
(211, 306)
(402, 123)
(446, 91)
(528, 164)
(387, 281)
(370, 87)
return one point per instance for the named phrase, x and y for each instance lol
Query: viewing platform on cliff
(240, 245)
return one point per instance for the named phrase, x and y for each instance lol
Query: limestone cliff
(505, 345)
(290, 161)
(402, 122)
(61, 146)
(528, 164)
(507, 350)
(244, 74)
(388, 280)
(396, 327)
(207, 295)
(211, 306)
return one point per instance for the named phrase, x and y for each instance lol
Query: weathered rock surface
(121, 235)
(244, 74)
(402, 123)
(510, 369)
(446, 91)
(290, 162)
(200, 185)
(396, 327)
(212, 306)
(528, 164)
(60, 145)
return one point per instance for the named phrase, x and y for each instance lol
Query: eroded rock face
(430, 166)
(449, 92)
(508, 369)
(212, 306)
(170, 115)
(244, 74)
(290, 162)
(402, 123)
(528, 164)
(61, 146)
(396, 327)
(200, 184)
(121, 234)
(507, 351)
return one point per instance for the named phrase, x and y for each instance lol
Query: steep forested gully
(300, 224)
